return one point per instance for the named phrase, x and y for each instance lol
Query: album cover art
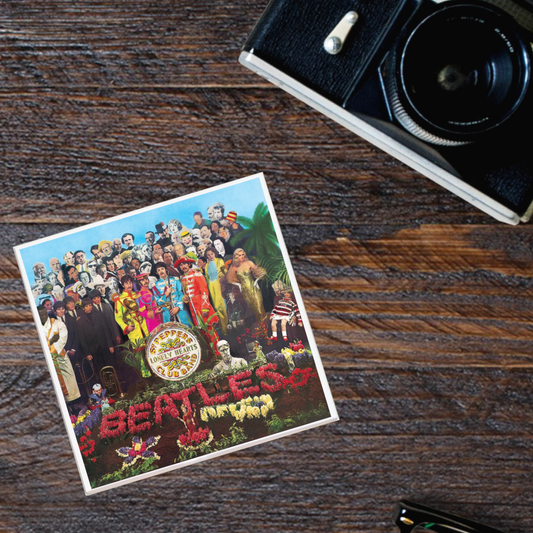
(175, 334)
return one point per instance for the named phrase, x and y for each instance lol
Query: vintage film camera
(443, 86)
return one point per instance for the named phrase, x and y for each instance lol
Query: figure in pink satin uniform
(150, 310)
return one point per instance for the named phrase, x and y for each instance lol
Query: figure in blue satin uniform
(167, 290)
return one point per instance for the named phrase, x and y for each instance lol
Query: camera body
(442, 86)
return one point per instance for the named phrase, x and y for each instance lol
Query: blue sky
(241, 197)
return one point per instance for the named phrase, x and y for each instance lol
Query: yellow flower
(256, 412)
(264, 410)
(232, 408)
(220, 411)
(212, 412)
(270, 404)
(249, 412)
(203, 415)
(248, 400)
(256, 399)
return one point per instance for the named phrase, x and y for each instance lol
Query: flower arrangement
(259, 332)
(87, 446)
(268, 372)
(238, 382)
(169, 407)
(82, 415)
(276, 358)
(113, 424)
(85, 421)
(245, 336)
(140, 411)
(139, 450)
(299, 378)
(191, 441)
(184, 396)
(217, 400)
(256, 407)
(297, 345)
(302, 358)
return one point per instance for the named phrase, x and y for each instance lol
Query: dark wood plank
(108, 154)
(126, 43)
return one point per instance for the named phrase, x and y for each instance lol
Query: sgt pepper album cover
(175, 334)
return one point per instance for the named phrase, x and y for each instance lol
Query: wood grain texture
(421, 305)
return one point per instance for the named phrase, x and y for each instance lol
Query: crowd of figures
(90, 303)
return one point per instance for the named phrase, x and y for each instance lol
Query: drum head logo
(173, 352)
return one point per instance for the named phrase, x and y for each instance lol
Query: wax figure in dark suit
(70, 318)
(102, 306)
(68, 313)
(96, 343)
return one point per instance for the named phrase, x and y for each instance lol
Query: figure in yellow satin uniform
(214, 270)
(129, 318)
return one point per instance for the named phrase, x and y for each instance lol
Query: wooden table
(421, 305)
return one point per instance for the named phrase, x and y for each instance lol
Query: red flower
(135, 416)
(169, 409)
(111, 427)
(221, 398)
(299, 378)
(268, 372)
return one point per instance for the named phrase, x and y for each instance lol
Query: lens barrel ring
(404, 118)
(497, 67)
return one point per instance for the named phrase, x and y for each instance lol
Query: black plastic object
(415, 518)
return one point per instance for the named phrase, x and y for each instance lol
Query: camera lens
(462, 72)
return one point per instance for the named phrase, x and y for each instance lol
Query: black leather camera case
(291, 34)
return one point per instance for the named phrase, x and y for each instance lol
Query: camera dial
(463, 71)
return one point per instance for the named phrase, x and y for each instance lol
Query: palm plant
(276, 269)
(259, 241)
(258, 238)
(133, 355)
(200, 331)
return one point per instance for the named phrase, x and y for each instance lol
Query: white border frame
(59, 394)
(381, 140)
